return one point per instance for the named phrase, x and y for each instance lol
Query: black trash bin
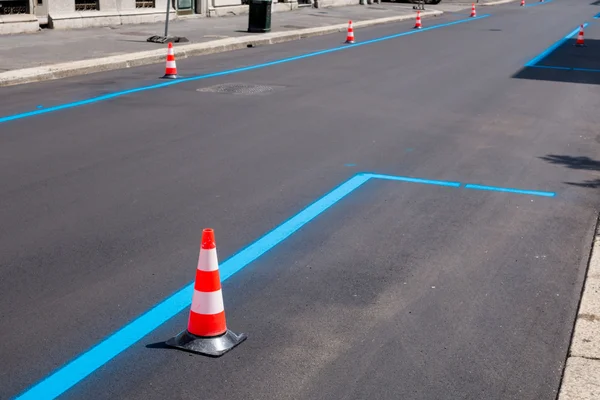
(259, 18)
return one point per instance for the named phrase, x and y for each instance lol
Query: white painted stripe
(171, 64)
(207, 261)
(207, 303)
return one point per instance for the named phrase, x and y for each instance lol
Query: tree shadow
(592, 184)
(579, 163)
(585, 163)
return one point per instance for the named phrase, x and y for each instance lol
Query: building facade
(19, 16)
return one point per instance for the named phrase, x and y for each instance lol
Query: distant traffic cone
(171, 69)
(350, 34)
(473, 12)
(579, 41)
(207, 331)
(522, 3)
(418, 24)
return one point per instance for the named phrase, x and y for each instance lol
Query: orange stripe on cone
(350, 33)
(579, 41)
(207, 332)
(171, 67)
(207, 314)
(418, 24)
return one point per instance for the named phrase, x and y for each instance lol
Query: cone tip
(170, 44)
(208, 239)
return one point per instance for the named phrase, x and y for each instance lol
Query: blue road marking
(539, 3)
(226, 72)
(550, 49)
(85, 364)
(414, 180)
(566, 68)
(551, 67)
(597, 16)
(509, 190)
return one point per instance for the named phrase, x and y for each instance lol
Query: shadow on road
(158, 345)
(581, 163)
(568, 63)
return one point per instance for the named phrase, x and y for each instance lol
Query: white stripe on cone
(208, 303)
(171, 64)
(207, 261)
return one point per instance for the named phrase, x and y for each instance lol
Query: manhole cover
(238, 88)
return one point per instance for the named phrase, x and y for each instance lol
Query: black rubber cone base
(169, 77)
(208, 346)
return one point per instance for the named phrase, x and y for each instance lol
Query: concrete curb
(83, 67)
(581, 378)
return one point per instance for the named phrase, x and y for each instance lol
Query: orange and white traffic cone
(473, 12)
(171, 68)
(418, 24)
(522, 3)
(579, 41)
(350, 34)
(207, 331)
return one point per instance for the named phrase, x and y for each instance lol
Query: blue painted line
(509, 190)
(85, 364)
(566, 68)
(597, 16)
(550, 67)
(550, 49)
(66, 377)
(414, 180)
(539, 3)
(586, 69)
(113, 95)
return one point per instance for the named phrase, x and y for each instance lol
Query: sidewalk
(581, 379)
(53, 54)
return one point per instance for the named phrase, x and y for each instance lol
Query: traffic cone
(350, 34)
(207, 331)
(171, 69)
(522, 3)
(579, 41)
(418, 24)
(473, 12)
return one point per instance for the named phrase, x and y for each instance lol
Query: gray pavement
(400, 290)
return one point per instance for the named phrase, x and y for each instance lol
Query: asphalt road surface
(395, 289)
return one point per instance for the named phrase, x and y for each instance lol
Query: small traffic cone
(171, 69)
(418, 24)
(473, 12)
(207, 331)
(522, 3)
(350, 34)
(579, 41)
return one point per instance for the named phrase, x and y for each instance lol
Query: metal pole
(167, 19)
